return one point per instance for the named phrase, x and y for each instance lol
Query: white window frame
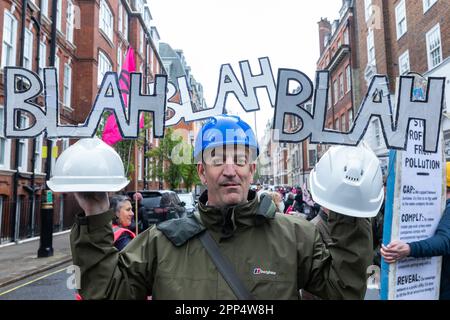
(435, 29)
(70, 21)
(400, 19)
(6, 162)
(42, 58)
(38, 154)
(12, 43)
(59, 15)
(125, 24)
(28, 50)
(401, 61)
(141, 41)
(335, 91)
(119, 59)
(67, 85)
(348, 77)
(104, 65)
(371, 55)
(120, 18)
(427, 4)
(346, 37)
(23, 143)
(106, 20)
(350, 118)
(368, 11)
(341, 86)
(44, 7)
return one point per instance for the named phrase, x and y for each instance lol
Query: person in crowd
(277, 199)
(123, 217)
(437, 245)
(289, 202)
(170, 262)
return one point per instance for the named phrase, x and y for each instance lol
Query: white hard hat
(348, 180)
(89, 165)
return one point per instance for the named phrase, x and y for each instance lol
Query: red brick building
(92, 37)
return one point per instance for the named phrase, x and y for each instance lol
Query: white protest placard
(419, 200)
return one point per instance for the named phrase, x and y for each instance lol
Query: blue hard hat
(224, 130)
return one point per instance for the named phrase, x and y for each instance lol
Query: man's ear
(201, 172)
(252, 170)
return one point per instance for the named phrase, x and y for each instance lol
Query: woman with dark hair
(123, 218)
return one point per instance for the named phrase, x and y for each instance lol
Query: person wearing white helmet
(272, 255)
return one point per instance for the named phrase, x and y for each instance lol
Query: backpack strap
(225, 268)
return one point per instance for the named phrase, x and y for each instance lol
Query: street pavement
(53, 284)
(19, 261)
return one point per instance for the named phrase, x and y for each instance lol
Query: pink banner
(111, 133)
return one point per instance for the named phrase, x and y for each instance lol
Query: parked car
(160, 205)
(189, 201)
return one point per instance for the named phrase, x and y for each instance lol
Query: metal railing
(22, 219)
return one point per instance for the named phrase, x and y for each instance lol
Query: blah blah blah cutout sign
(376, 103)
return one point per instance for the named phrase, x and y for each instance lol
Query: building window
(125, 24)
(350, 117)
(106, 20)
(371, 48)
(9, 40)
(104, 65)
(434, 48)
(38, 154)
(400, 18)
(70, 15)
(42, 58)
(120, 18)
(67, 85)
(403, 63)
(28, 50)
(23, 146)
(341, 85)
(427, 4)
(368, 9)
(312, 158)
(119, 59)
(5, 144)
(59, 15)
(348, 77)
(44, 7)
(335, 91)
(141, 41)
(346, 37)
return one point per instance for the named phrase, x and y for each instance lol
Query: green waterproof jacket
(275, 255)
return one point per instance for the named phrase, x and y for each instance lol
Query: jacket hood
(231, 219)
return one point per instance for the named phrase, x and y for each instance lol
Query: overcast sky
(213, 32)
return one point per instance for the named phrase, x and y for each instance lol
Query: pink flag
(111, 134)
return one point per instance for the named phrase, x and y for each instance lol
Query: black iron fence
(22, 219)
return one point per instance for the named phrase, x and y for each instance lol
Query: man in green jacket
(274, 255)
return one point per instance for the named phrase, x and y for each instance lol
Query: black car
(159, 205)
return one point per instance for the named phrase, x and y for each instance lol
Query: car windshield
(186, 198)
(151, 202)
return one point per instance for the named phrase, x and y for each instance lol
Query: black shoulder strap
(225, 267)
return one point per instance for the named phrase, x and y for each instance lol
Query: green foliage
(172, 161)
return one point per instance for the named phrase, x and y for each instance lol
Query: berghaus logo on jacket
(257, 271)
